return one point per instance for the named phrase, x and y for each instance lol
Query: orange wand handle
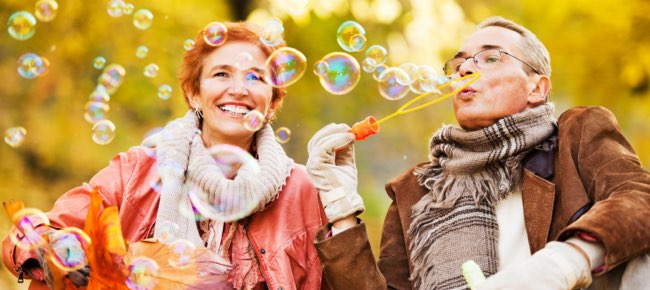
(363, 129)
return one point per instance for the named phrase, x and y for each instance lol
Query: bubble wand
(370, 125)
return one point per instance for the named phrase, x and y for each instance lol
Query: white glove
(557, 266)
(332, 168)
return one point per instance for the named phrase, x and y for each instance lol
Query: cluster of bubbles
(97, 106)
(22, 24)
(15, 136)
(142, 19)
(339, 72)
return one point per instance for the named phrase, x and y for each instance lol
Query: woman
(270, 244)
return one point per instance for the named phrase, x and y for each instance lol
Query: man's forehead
(491, 37)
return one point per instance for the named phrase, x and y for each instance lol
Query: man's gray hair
(535, 53)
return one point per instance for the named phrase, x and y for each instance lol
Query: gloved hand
(332, 168)
(557, 266)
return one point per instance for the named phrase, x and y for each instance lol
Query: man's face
(504, 88)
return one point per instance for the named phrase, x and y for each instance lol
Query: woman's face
(231, 85)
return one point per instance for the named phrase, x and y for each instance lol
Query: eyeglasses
(482, 59)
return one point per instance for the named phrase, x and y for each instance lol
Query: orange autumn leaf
(12, 207)
(107, 248)
(203, 269)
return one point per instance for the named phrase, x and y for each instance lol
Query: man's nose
(468, 67)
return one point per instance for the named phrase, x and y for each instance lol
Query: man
(537, 203)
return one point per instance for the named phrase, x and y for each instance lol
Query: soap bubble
(391, 84)
(142, 273)
(165, 92)
(188, 44)
(272, 33)
(95, 111)
(103, 132)
(31, 65)
(99, 62)
(151, 70)
(342, 73)
(15, 136)
(22, 25)
(128, 9)
(115, 8)
(351, 36)
(141, 51)
(112, 77)
(253, 120)
(377, 53)
(285, 67)
(215, 33)
(142, 19)
(282, 135)
(45, 10)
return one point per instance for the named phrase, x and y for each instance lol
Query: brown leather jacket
(592, 181)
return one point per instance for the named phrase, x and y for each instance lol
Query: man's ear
(541, 89)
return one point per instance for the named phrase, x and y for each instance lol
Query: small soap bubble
(151, 70)
(377, 53)
(243, 60)
(188, 44)
(31, 65)
(378, 70)
(115, 8)
(99, 62)
(285, 66)
(142, 273)
(418, 86)
(103, 132)
(343, 73)
(128, 9)
(22, 25)
(142, 19)
(29, 225)
(253, 120)
(391, 84)
(321, 68)
(215, 33)
(411, 71)
(15, 136)
(99, 95)
(282, 135)
(95, 111)
(45, 10)
(272, 33)
(165, 92)
(368, 65)
(111, 78)
(72, 260)
(141, 51)
(181, 254)
(351, 36)
(166, 233)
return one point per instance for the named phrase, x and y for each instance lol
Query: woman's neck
(244, 143)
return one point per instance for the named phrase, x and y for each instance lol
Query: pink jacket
(281, 235)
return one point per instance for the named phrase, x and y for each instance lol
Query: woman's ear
(540, 91)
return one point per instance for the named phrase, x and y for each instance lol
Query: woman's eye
(221, 74)
(252, 77)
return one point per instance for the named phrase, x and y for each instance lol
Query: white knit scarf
(183, 159)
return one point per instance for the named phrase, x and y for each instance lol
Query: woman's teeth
(237, 110)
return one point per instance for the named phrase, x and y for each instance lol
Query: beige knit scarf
(184, 162)
(469, 172)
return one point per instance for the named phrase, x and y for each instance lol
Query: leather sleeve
(614, 179)
(347, 259)
(393, 258)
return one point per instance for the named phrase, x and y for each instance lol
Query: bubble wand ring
(370, 125)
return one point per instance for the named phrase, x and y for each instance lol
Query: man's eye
(492, 59)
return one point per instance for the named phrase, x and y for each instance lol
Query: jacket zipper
(21, 274)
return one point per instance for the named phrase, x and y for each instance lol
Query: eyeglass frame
(473, 57)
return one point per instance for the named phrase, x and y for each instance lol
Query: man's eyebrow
(483, 47)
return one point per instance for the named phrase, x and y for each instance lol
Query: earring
(198, 113)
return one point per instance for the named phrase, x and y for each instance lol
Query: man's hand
(332, 168)
(558, 266)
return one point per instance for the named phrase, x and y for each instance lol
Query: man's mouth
(466, 93)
